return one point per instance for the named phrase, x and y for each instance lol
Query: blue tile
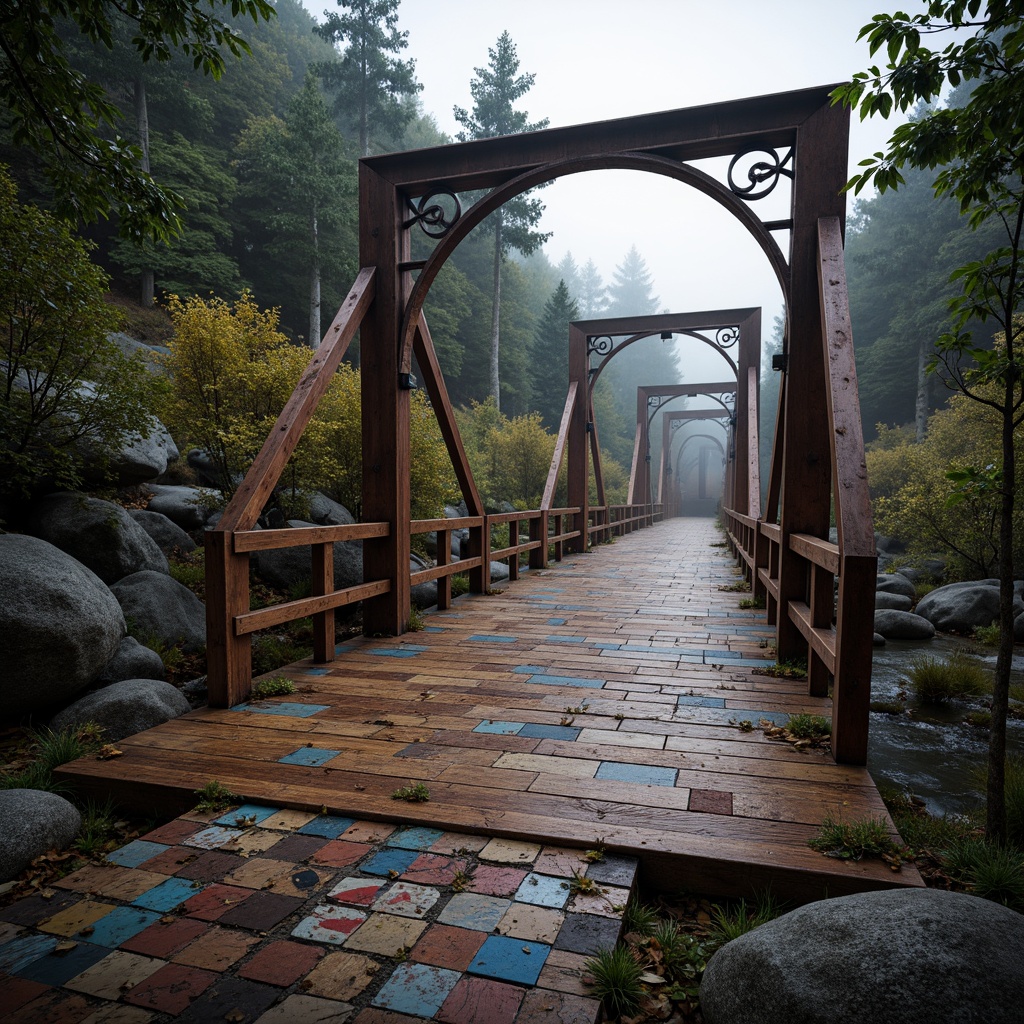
(593, 684)
(312, 757)
(701, 702)
(383, 863)
(344, 648)
(433, 629)
(489, 638)
(121, 924)
(328, 826)
(212, 838)
(526, 670)
(289, 709)
(417, 989)
(543, 891)
(510, 959)
(608, 647)
(19, 953)
(418, 648)
(247, 814)
(574, 608)
(132, 855)
(167, 895)
(57, 968)
(415, 838)
(392, 652)
(317, 672)
(557, 622)
(646, 775)
(500, 728)
(549, 732)
(564, 639)
(719, 653)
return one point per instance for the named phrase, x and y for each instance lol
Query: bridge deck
(596, 703)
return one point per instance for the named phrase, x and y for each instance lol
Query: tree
(979, 151)
(368, 85)
(630, 290)
(550, 362)
(300, 186)
(593, 293)
(71, 122)
(65, 390)
(494, 90)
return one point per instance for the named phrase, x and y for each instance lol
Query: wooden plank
(250, 622)
(273, 540)
(814, 549)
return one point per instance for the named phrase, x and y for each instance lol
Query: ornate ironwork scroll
(726, 337)
(602, 344)
(762, 175)
(432, 216)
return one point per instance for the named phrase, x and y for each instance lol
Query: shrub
(853, 840)
(616, 973)
(934, 681)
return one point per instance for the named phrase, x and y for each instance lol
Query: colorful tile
(445, 946)
(493, 638)
(211, 866)
(254, 841)
(389, 862)
(607, 901)
(614, 869)
(459, 843)
(392, 652)
(121, 924)
(296, 848)
(560, 860)
(355, 892)
(58, 967)
(414, 838)
(543, 890)
(509, 959)
(710, 801)
(281, 963)
(480, 1001)
(165, 937)
(368, 832)
(132, 855)
(37, 908)
(586, 933)
(54, 1006)
(262, 911)
(247, 815)
(171, 861)
(330, 924)
(473, 910)
(525, 921)
(215, 901)
(339, 853)
(700, 702)
(491, 880)
(500, 728)
(577, 681)
(171, 989)
(435, 869)
(509, 851)
(167, 895)
(342, 975)
(71, 921)
(300, 1009)
(418, 989)
(172, 833)
(212, 838)
(542, 1007)
(216, 950)
(566, 972)
(407, 899)
(16, 992)
(114, 975)
(287, 708)
(327, 826)
(230, 999)
(386, 934)
(286, 820)
(312, 757)
(549, 732)
(643, 774)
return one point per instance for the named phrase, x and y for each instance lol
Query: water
(930, 751)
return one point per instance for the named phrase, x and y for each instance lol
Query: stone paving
(274, 916)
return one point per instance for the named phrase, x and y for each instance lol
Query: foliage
(99, 830)
(67, 393)
(214, 797)
(935, 682)
(274, 649)
(853, 840)
(809, 726)
(752, 602)
(368, 83)
(413, 794)
(639, 918)
(71, 122)
(47, 751)
(923, 832)
(989, 871)
(551, 355)
(275, 686)
(616, 976)
(730, 922)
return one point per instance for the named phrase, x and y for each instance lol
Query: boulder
(59, 625)
(100, 534)
(169, 536)
(189, 507)
(206, 471)
(959, 607)
(893, 583)
(896, 625)
(290, 568)
(499, 572)
(160, 607)
(904, 956)
(130, 347)
(125, 708)
(132, 661)
(140, 459)
(33, 821)
(325, 512)
(1018, 629)
(878, 640)
(913, 574)
(899, 602)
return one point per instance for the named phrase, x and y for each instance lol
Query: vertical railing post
(228, 657)
(851, 695)
(821, 601)
(513, 540)
(323, 583)
(480, 547)
(444, 557)
(539, 535)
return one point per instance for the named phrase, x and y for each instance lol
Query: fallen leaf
(108, 752)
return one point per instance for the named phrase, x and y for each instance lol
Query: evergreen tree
(494, 90)
(367, 83)
(550, 365)
(593, 293)
(630, 290)
(569, 272)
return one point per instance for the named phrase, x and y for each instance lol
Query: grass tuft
(853, 840)
(616, 980)
(935, 682)
(275, 686)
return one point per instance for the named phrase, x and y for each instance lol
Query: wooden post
(444, 557)
(228, 658)
(539, 534)
(385, 415)
(578, 441)
(323, 583)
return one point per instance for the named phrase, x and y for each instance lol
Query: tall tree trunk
(314, 285)
(496, 315)
(921, 406)
(147, 290)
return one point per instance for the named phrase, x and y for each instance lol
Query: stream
(930, 751)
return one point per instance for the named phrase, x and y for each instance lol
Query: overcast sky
(597, 59)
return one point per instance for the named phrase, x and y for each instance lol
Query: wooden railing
(836, 629)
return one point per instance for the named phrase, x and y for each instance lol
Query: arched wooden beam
(702, 182)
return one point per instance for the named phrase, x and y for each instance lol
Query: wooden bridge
(602, 701)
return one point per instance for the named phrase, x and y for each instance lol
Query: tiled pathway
(277, 916)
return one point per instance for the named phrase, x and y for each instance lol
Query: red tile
(53, 1007)
(171, 861)
(543, 1007)
(710, 801)
(211, 866)
(339, 853)
(481, 1001)
(166, 937)
(262, 910)
(217, 950)
(441, 945)
(281, 963)
(434, 869)
(16, 992)
(171, 989)
(215, 901)
(173, 832)
(495, 881)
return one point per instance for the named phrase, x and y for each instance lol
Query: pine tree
(569, 272)
(550, 366)
(630, 291)
(593, 293)
(368, 85)
(494, 90)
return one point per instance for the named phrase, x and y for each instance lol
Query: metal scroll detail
(433, 217)
(599, 344)
(762, 175)
(726, 337)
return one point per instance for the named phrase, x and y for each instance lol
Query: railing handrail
(558, 454)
